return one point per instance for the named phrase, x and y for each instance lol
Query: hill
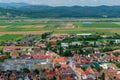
(42, 11)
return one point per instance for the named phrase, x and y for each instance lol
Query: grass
(6, 26)
(97, 25)
(20, 23)
(82, 31)
(11, 37)
(59, 27)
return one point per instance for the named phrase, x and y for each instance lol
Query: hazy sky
(68, 2)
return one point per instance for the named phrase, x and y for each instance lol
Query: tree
(36, 71)
(117, 54)
(103, 76)
(61, 50)
(68, 53)
(54, 78)
(42, 79)
(25, 70)
(45, 35)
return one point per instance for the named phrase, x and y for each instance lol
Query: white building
(18, 64)
(117, 41)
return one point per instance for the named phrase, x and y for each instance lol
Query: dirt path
(69, 26)
(24, 32)
(118, 23)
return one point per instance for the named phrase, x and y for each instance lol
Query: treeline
(37, 11)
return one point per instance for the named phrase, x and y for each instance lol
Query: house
(75, 43)
(111, 57)
(14, 54)
(60, 35)
(118, 71)
(2, 55)
(18, 64)
(39, 56)
(24, 56)
(118, 58)
(52, 54)
(52, 40)
(90, 73)
(117, 41)
(50, 74)
(104, 36)
(64, 66)
(64, 45)
(60, 60)
(84, 34)
(41, 45)
(108, 66)
(11, 49)
(118, 77)
(66, 72)
(81, 74)
(13, 77)
(109, 74)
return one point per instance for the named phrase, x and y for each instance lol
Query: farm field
(93, 27)
(39, 26)
(11, 37)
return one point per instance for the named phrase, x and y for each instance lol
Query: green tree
(25, 70)
(36, 71)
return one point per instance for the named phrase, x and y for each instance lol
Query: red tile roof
(64, 66)
(38, 56)
(87, 72)
(109, 72)
(90, 70)
(13, 53)
(61, 59)
(69, 78)
(80, 70)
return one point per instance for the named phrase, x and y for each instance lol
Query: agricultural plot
(97, 25)
(11, 37)
(39, 27)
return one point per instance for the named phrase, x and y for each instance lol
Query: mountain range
(44, 11)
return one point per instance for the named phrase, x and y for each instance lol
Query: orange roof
(39, 56)
(78, 61)
(109, 72)
(64, 66)
(52, 54)
(113, 65)
(118, 58)
(52, 40)
(61, 59)
(80, 70)
(118, 77)
(89, 69)
(106, 77)
(14, 53)
(40, 44)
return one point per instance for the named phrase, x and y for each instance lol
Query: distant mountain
(13, 5)
(9, 13)
(42, 11)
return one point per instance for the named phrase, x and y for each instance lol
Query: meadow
(59, 26)
(11, 37)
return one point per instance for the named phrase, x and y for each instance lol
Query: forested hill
(37, 11)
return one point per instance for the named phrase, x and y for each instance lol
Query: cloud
(68, 2)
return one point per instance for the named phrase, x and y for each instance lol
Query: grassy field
(39, 26)
(11, 37)
(97, 25)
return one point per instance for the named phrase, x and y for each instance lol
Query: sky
(67, 2)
